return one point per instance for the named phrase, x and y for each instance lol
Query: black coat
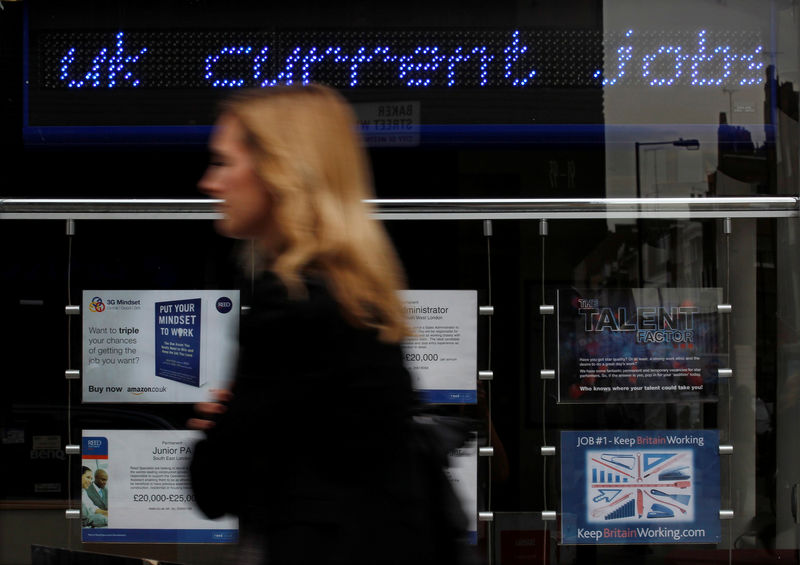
(314, 453)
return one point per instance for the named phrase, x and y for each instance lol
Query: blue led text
(696, 59)
(415, 69)
(108, 67)
(705, 65)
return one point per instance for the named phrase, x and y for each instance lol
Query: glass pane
(575, 99)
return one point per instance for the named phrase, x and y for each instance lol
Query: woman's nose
(206, 184)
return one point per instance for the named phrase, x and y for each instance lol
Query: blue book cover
(178, 340)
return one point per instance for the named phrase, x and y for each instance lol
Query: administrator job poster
(442, 355)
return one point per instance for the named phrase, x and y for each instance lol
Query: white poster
(442, 355)
(158, 345)
(462, 472)
(135, 487)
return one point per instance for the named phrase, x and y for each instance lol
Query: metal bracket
(244, 309)
(72, 514)
(72, 310)
(546, 309)
(543, 227)
(72, 449)
(547, 374)
(485, 516)
(726, 226)
(486, 451)
(72, 374)
(724, 308)
(725, 373)
(725, 449)
(70, 226)
(487, 228)
(485, 375)
(549, 515)
(486, 310)
(726, 514)
(547, 450)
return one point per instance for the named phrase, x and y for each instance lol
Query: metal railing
(423, 209)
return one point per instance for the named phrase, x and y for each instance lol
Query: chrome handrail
(423, 209)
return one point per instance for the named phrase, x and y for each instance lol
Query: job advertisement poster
(623, 487)
(639, 345)
(462, 472)
(442, 355)
(135, 487)
(158, 345)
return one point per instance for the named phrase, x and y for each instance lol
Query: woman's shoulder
(310, 299)
(268, 288)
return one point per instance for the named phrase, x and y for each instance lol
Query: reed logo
(224, 305)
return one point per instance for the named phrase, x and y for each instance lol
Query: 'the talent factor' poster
(624, 487)
(639, 345)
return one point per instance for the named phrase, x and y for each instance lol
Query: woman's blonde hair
(306, 149)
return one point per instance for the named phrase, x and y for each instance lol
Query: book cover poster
(178, 326)
(135, 488)
(442, 355)
(158, 345)
(652, 486)
(639, 345)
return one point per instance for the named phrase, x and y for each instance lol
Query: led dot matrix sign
(410, 59)
(501, 69)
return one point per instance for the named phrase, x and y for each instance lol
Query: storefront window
(617, 180)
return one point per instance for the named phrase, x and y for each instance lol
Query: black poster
(639, 344)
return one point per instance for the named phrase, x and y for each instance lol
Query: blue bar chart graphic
(640, 485)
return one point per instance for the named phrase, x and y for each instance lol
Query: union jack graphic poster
(640, 486)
